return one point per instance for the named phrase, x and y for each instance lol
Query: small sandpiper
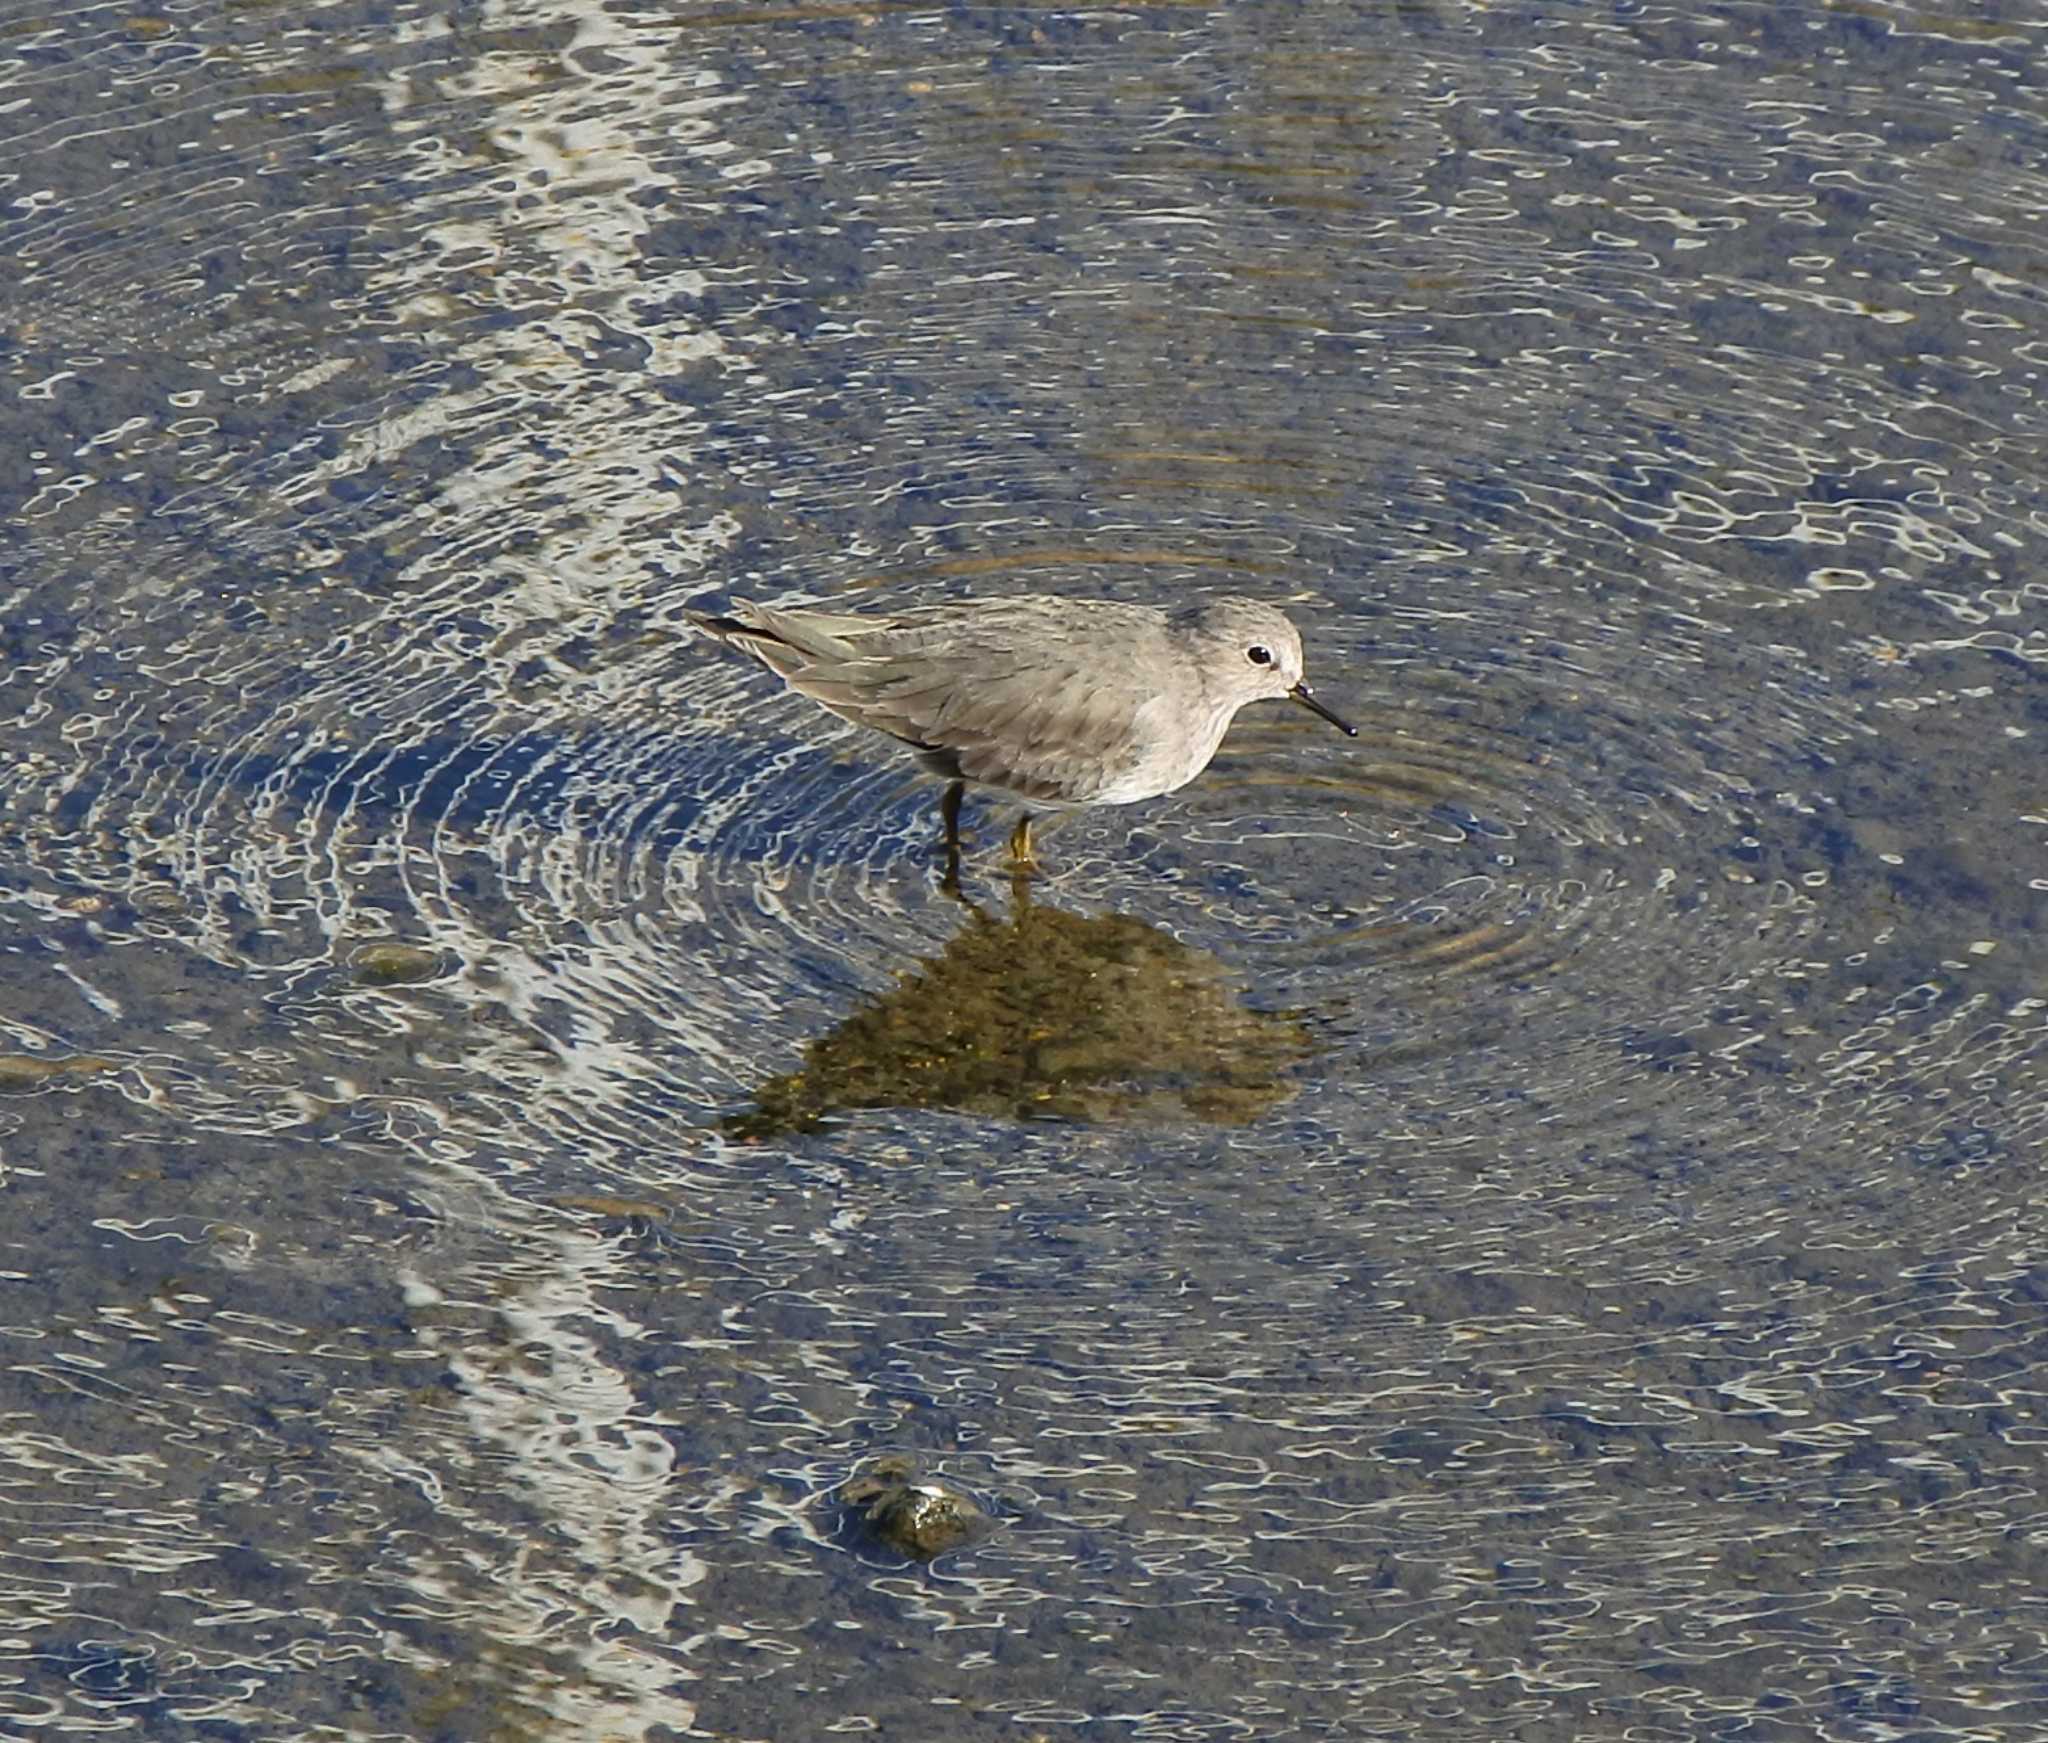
(1056, 703)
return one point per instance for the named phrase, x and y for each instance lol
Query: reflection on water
(1625, 1317)
(1047, 1015)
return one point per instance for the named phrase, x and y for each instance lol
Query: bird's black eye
(1259, 656)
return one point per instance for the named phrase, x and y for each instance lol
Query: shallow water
(1523, 1225)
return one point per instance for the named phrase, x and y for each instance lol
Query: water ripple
(1521, 1222)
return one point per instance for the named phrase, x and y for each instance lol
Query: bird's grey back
(1039, 696)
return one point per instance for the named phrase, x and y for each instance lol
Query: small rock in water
(395, 964)
(21, 1073)
(916, 1518)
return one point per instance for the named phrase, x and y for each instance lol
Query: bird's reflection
(1045, 1014)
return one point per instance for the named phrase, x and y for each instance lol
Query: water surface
(1526, 1225)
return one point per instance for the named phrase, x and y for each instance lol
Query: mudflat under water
(1527, 1225)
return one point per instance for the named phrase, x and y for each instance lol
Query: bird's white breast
(1177, 750)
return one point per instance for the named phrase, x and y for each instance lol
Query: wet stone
(395, 964)
(22, 1073)
(913, 1516)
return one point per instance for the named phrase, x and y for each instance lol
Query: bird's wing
(983, 694)
(1051, 732)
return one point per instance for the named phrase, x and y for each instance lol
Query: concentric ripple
(1523, 1223)
(660, 864)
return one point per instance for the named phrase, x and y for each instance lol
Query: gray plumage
(1052, 701)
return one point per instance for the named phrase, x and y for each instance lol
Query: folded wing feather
(1051, 730)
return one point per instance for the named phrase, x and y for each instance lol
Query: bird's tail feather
(725, 628)
(799, 637)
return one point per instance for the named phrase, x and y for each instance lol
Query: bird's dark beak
(1307, 698)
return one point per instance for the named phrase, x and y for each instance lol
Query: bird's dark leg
(949, 815)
